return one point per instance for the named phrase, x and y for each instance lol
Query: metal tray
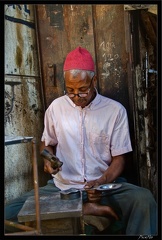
(109, 186)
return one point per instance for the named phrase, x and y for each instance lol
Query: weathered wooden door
(143, 52)
(100, 29)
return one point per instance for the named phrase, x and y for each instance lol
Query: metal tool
(55, 162)
(71, 193)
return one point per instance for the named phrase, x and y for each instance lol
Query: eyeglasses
(82, 95)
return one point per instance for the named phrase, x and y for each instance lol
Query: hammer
(55, 162)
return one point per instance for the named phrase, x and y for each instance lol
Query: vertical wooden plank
(110, 51)
(112, 60)
(79, 27)
(145, 96)
(50, 49)
(61, 29)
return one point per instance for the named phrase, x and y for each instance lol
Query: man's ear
(95, 81)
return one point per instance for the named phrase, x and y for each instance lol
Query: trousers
(135, 206)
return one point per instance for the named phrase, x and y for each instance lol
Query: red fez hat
(79, 58)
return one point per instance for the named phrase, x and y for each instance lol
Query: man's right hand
(49, 169)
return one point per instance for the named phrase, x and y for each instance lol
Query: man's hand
(49, 169)
(47, 164)
(93, 194)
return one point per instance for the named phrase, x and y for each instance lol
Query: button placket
(82, 115)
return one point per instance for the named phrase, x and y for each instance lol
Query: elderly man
(89, 133)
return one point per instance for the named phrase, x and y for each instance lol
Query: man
(89, 133)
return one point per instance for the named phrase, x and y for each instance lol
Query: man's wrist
(102, 180)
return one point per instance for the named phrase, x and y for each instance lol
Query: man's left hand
(93, 194)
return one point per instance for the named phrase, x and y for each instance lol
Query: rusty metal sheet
(61, 29)
(27, 106)
(111, 53)
(23, 120)
(20, 54)
(23, 107)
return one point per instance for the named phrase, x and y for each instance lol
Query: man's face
(81, 83)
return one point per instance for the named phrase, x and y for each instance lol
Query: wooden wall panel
(100, 29)
(61, 28)
(111, 52)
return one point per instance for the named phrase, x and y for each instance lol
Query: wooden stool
(58, 216)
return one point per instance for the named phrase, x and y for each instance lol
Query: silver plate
(109, 186)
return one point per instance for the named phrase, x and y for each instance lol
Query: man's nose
(76, 92)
